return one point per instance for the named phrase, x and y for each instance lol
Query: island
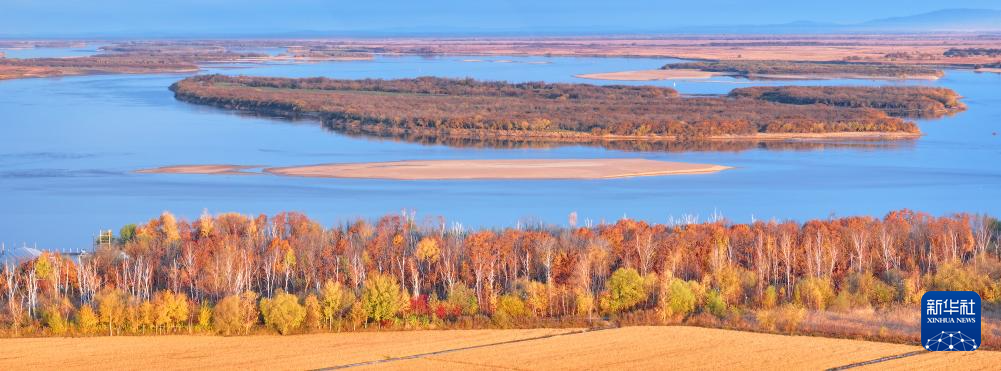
(560, 112)
(901, 101)
(809, 70)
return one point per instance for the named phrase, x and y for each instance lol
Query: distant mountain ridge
(941, 20)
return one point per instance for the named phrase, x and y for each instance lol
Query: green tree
(510, 308)
(464, 298)
(716, 304)
(54, 320)
(283, 313)
(382, 297)
(335, 301)
(677, 299)
(625, 289)
(127, 233)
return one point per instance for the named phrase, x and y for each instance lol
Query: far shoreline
(695, 74)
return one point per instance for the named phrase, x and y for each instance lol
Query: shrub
(789, 317)
(313, 312)
(510, 308)
(955, 277)
(765, 319)
(463, 298)
(867, 290)
(536, 295)
(625, 289)
(677, 299)
(770, 298)
(357, 315)
(205, 317)
(86, 319)
(584, 302)
(731, 282)
(382, 297)
(813, 292)
(841, 303)
(54, 320)
(235, 314)
(283, 313)
(716, 304)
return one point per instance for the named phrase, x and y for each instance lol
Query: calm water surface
(20, 53)
(69, 146)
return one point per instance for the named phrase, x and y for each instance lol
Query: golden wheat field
(270, 352)
(674, 347)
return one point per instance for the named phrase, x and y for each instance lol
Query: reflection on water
(373, 132)
(623, 145)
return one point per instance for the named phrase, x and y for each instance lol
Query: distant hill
(940, 20)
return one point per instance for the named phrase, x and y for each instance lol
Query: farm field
(680, 347)
(270, 352)
(676, 347)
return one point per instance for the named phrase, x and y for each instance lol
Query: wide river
(69, 146)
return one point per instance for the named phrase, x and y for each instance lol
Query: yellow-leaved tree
(283, 313)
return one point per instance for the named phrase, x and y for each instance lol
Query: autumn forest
(239, 274)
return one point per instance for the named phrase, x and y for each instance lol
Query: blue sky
(69, 17)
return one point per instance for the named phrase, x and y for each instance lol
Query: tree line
(430, 105)
(972, 52)
(901, 101)
(763, 68)
(238, 274)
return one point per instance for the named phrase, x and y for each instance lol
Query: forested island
(776, 69)
(967, 52)
(571, 112)
(901, 101)
(145, 62)
(239, 274)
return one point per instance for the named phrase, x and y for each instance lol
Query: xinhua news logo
(950, 320)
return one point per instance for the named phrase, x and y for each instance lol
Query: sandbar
(649, 75)
(499, 169)
(201, 169)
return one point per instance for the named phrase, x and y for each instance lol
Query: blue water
(69, 146)
(87, 50)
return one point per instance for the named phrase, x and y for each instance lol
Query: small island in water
(560, 112)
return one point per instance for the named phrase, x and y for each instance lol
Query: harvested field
(679, 347)
(500, 169)
(648, 75)
(244, 352)
(658, 347)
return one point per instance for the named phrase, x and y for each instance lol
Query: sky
(233, 17)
